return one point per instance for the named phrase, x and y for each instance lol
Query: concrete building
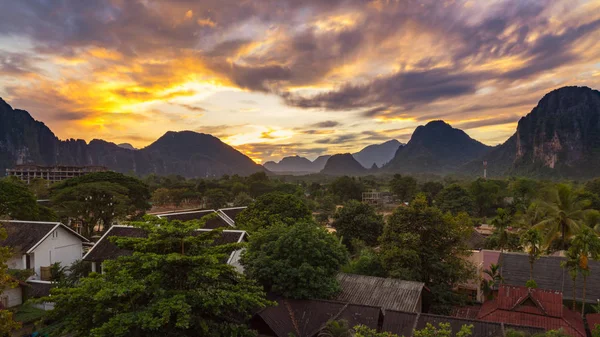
(53, 174)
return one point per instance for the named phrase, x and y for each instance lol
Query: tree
(346, 188)
(216, 198)
(420, 243)
(431, 189)
(523, 191)
(339, 328)
(161, 197)
(92, 203)
(40, 188)
(454, 199)
(443, 329)
(299, 261)
(358, 221)
(501, 223)
(404, 187)
(572, 266)
(7, 323)
(532, 241)
(492, 282)
(174, 284)
(273, 208)
(242, 199)
(564, 214)
(586, 244)
(368, 263)
(16, 201)
(485, 194)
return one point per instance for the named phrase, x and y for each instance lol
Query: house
(404, 323)
(548, 274)
(306, 318)
(230, 214)
(386, 293)
(532, 307)
(104, 249)
(481, 260)
(224, 217)
(36, 246)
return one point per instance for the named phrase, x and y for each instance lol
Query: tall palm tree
(501, 223)
(531, 217)
(532, 241)
(565, 213)
(586, 244)
(495, 279)
(572, 266)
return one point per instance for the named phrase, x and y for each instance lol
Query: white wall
(16, 262)
(63, 247)
(235, 260)
(15, 296)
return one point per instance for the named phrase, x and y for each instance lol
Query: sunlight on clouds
(337, 23)
(260, 134)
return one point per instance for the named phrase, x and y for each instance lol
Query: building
(224, 217)
(377, 198)
(481, 260)
(548, 274)
(53, 174)
(532, 307)
(36, 246)
(386, 293)
(104, 249)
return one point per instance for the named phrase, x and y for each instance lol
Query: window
(27, 262)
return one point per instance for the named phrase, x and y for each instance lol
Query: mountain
(559, 138)
(126, 146)
(297, 165)
(23, 140)
(436, 148)
(343, 164)
(380, 154)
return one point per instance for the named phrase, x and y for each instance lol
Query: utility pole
(484, 169)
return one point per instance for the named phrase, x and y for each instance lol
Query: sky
(275, 78)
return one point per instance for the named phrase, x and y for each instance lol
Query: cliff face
(438, 148)
(559, 138)
(24, 140)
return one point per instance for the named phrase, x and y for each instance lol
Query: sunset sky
(281, 77)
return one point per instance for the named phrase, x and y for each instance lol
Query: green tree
(216, 198)
(273, 208)
(564, 214)
(532, 242)
(485, 194)
(404, 187)
(431, 189)
(492, 282)
(501, 223)
(443, 330)
(347, 188)
(299, 261)
(174, 284)
(421, 243)
(339, 328)
(368, 262)
(7, 323)
(523, 190)
(161, 197)
(16, 201)
(358, 221)
(572, 265)
(454, 199)
(242, 199)
(40, 188)
(586, 244)
(92, 203)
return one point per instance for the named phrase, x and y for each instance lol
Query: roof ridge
(34, 222)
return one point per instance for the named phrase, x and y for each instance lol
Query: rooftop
(24, 236)
(212, 218)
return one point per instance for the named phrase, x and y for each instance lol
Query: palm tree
(564, 214)
(495, 279)
(586, 244)
(572, 266)
(531, 217)
(339, 328)
(532, 241)
(501, 223)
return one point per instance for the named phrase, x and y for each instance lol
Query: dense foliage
(174, 284)
(357, 220)
(7, 323)
(296, 261)
(273, 208)
(16, 201)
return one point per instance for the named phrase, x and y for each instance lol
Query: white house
(37, 245)
(105, 250)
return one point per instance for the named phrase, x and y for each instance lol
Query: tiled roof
(532, 307)
(593, 320)
(36, 289)
(213, 220)
(386, 293)
(476, 241)
(104, 249)
(403, 324)
(307, 317)
(25, 235)
(548, 274)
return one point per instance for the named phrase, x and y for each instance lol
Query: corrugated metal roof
(548, 274)
(387, 293)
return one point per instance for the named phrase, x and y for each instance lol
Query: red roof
(532, 307)
(593, 320)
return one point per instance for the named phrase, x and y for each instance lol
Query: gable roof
(213, 222)
(230, 214)
(305, 318)
(104, 249)
(387, 293)
(548, 274)
(24, 236)
(532, 307)
(476, 241)
(403, 324)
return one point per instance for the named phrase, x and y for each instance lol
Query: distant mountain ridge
(436, 148)
(378, 154)
(23, 140)
(559, 138)
(297, 165)
(343, 164)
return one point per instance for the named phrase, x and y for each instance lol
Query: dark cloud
(341, 139)
(16, 64)
(325, 124)
(192, 107)
(487, 122)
